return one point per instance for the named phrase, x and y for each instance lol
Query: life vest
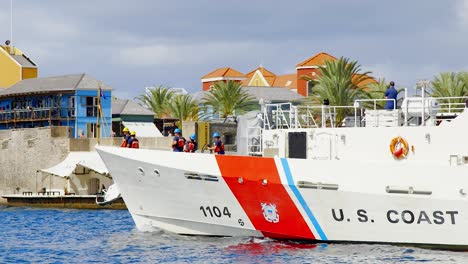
(179, 145)
(135, 143)
(191, 147)
(219, 147)
(181, 142)
(124, 142)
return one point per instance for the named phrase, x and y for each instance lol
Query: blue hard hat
(176, 130)
(192, 137)
(216, 134)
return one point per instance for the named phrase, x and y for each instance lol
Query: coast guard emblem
(270, 213)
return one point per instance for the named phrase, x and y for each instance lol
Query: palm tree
(463, 76)
(339, 83)
(184, 107)
(228, 99)
(377, 91)
(450, 84)
(158, 99)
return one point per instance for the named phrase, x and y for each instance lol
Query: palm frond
(158, 99)
(338, 81)
(228, 98)
(184, 107)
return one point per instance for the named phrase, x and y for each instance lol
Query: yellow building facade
(15, 66)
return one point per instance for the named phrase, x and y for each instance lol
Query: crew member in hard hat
(218, 145)
(133, 141)
(125, 138)
(178, 142)
(191, 145)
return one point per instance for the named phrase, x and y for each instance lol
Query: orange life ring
(399, 147)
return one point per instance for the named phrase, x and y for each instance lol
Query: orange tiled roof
(224, 72)
(268, 75)
(316, 60)
(287, 80)
(265, 72)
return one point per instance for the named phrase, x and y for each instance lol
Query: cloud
(462, 12)
(186, 54)
(130, 46)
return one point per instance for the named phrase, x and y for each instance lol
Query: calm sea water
(106, 236)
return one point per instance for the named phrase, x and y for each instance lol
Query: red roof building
(221, 74)
(262, 77)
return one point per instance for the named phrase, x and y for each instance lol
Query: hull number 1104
(214, 211)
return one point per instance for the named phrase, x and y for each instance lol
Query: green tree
(463, 76)
(450, 84)
(184, 107)
(158, 99)
(339, 82)
(229, 98)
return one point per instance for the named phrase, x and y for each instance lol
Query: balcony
(36, 114)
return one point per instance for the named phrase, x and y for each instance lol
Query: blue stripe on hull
(301, 200)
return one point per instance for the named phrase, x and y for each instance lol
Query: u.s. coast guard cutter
(396, 176)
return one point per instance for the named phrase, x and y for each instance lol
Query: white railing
(286, 115)
(415, 111)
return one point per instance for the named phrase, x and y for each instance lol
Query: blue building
(69, 100)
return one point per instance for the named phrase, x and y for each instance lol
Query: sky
(134, 44)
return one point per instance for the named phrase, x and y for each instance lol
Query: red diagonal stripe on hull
(251, 194)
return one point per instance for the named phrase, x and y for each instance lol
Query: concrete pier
(25, 152)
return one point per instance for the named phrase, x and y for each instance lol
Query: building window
(71, 106)
(310, 86)
(90, 102)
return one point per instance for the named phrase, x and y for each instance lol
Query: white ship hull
(360, 198)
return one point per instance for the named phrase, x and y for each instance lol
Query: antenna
(12, 49)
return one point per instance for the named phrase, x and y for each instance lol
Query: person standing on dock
(126, 138)
(391, 93)
(218, 145)
(178, 142)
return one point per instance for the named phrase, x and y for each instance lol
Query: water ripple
(86, 236)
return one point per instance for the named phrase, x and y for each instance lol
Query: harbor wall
(24, 152)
